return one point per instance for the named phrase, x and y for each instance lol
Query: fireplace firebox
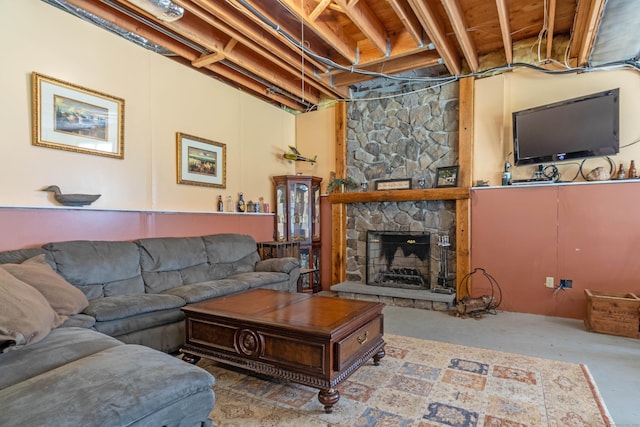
(398, 259)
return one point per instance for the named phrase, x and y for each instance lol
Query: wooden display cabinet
(297, 217)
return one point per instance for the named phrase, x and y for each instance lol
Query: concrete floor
(614, 362)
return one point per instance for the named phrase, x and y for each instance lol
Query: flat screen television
(582, 127)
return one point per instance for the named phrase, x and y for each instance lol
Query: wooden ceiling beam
(284, 50)
(319, 9)
(364, 18)
(392, 66)
(192, 29)
(214, 57)
(334, 36)
(409, 20)
(456, 16)
(505, 29)
(248, 35)
(551, 19)
(436, 33)
(109, 14)
(232, 20)
(588, 16)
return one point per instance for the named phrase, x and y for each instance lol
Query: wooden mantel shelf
(454, 193)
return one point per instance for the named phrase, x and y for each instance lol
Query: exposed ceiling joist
(300, 53)
(434, 29)
(505, 29)
(332, 34)
(460, 28)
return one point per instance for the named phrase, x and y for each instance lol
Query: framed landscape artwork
(201, 161)
(73, 118)
(447, 176)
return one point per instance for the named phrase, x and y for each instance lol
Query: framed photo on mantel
(447, 177)
(393, 184)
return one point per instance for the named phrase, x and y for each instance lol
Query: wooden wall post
(339, 210)
(463, 206)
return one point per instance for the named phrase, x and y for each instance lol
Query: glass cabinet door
(281, 212)
(300, 211)
(315, 199)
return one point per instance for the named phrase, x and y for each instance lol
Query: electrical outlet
(566, 283)
(549, 282)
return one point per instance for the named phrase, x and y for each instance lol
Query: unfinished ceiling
(300, 53)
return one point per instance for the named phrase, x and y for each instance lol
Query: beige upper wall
(161, 97)
(315, 135)
(497, 97)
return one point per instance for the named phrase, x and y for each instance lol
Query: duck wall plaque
(71, 199)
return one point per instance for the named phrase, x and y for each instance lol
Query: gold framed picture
(73, 118)
(201, 161)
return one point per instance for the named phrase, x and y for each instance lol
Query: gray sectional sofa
(94, 359)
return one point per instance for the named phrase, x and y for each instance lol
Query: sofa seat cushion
(119, 386)
(79, 321)
(63, 297)
(261, 279)
(139, 322)
(122, 306)
(60, 347)
(206, 290)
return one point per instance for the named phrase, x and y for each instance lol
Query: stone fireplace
(405, 136)
(398, 259)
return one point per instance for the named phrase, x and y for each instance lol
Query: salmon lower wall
(588, 233)
(32, 227)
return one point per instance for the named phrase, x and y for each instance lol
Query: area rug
(425, 384)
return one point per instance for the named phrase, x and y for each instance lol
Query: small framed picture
(201, 161)
(393, 184)
(73, 118)
(447, 176)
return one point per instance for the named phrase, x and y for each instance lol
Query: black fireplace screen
(398, 259)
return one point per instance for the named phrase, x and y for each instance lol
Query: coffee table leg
(378, 356)
(328, 397)
(190, 358)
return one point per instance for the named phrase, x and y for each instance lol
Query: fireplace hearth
(398, 259)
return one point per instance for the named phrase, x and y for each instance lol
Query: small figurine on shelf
(633, 173)
(241, 206)
(220, 204)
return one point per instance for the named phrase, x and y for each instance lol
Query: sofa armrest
(278, 265)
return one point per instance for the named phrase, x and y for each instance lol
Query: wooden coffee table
(308, 339)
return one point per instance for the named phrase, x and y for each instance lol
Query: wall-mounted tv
(582, 127)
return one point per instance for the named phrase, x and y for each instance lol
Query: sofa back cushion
(99, 268)
(21, 255)
(167, 262)
(230, 254)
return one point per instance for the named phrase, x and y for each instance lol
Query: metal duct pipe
(165, 10)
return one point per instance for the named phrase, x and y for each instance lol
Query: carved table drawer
(358, 342)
